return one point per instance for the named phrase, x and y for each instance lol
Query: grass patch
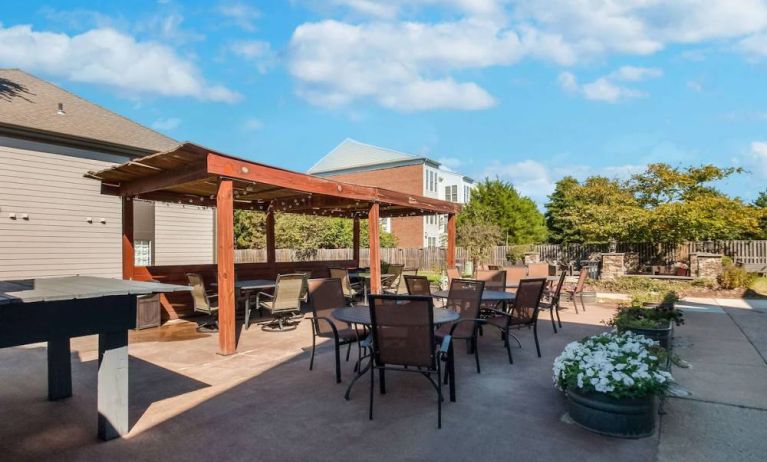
(759, 285)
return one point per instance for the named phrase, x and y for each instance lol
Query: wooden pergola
(193, 174)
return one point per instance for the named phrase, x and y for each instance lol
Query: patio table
(251, 285)
(487, 295)
(55, 309)
(366, 283)
(516, 284)
(361, 315)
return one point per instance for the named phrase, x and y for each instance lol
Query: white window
(431, 242)
(386, 224)
(143, 253)
(431, 180)
(466, 193)
(451, 193)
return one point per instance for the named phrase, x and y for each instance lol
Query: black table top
(361, 315)
(487, 295)
(77, 287)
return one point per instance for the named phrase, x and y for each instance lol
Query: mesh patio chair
(453, 273)
(465, 298)
(324, 296)
(404, 341)
(493, 279)
(552, 300)
(523, 313)
(203, 301)
(538, 270)
(351, 291)
(285, 304)
(392, 283)
(514, 274)
(402, 290)
(418, 285)
(576, 291)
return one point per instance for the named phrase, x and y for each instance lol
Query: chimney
(61, 109)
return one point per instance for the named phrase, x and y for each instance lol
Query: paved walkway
(188, 403)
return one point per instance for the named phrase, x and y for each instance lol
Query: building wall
(409, 231)
(46, 182)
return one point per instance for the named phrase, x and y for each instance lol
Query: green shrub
(735, 277)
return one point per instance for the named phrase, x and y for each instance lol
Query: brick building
(370, 165)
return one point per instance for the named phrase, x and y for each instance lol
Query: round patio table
(361, 315)
(365, 275)
(487, 295)
(515, 285)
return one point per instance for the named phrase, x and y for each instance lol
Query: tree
(560, 201)
(477, 235)
(761, 200)
(516, 217)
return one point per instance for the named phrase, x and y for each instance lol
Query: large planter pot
(623, 418)
(661, 335)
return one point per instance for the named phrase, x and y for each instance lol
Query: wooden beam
(356, 241)
(225, 259)
(270, 240)
(451, 236)
(128, 249)
(375, 250)
(164, 179)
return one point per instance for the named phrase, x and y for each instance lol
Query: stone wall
(709, 265)
(613, 265)
(532, 257)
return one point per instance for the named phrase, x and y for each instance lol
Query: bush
(735, 277)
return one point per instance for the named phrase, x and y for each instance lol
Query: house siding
(45, 181)
(183, 234)
(407, 179)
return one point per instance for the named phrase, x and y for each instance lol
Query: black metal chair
(404, 341)
(465, 298)
(418, 285)
(576, 291)
(523, 313)
(324, 296)
(351, 290)
(553, 299)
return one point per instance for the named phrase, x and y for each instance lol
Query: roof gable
(351, 154)
(29, 102)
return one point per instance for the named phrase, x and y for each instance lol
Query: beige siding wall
(183, 234)
(46, 182)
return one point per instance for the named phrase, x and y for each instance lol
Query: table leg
(59, 368)
(113, 385)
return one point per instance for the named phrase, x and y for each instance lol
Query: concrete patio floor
(188, 403)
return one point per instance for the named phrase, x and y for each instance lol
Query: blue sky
(528, 90)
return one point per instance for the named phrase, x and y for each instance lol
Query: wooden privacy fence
(433, 258)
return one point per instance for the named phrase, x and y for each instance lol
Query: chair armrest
(326, 319)
(455, 324)
(213, 295)
(444, 347)
(498, 312)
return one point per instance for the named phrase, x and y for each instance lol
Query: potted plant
(651, 315)
(612, 382)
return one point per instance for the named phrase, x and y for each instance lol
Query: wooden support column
(450, 257)
(225, 256)
(270, 240)
(375, 250)
(128, 251)
(112, 393)
(356, 241)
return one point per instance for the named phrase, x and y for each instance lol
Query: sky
(525, 90)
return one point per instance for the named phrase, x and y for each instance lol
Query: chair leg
(583, 305)
(535, 334)
(314, 346)
(348, 350)
(558, 319)
(575, 303)
(372, 384)
(476, 352)
(439, 392)
(247, 313)
(508, 348)
(338, 361)
(382, 381)
(551, 312)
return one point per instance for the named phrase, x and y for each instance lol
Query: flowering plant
(620, 365)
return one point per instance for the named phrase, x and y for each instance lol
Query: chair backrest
(494, 280)
(528, 299)
(536, 270)
(324, 296)
(581, 279)
(558, 289)
(402, 289)
(199, 295)
(494, 267)
(342, 275)
(453, 273)
(465, 298)
(288, 290)
(514, 274)
(395, 269)
(403, 330)
(418, 285)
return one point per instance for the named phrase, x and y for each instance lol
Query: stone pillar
(709, 265)
(532, 257)
(612, 265)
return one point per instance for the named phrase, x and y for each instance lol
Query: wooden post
(128, 251)
(356, 241)
(450, 257)
(225, 256)
(375, 250)
(270, 241)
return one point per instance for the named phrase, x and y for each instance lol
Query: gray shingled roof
(352, 154)
(29, 102)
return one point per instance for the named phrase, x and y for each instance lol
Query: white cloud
(257, 51)
(695, 86)
(166, 124)
(607, 88)
(108, 57)
(241, 13)
(451, 163)
(758, 158)
(253, 125)
(754, 45)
